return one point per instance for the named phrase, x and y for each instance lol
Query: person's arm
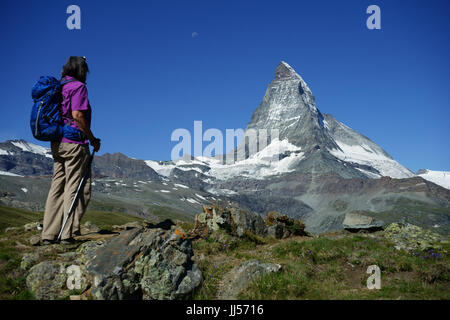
(80, 120)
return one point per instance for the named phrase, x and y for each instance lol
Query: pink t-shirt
(75, 97)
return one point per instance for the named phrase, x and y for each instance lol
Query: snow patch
(365, 155)
(199, 196)
(192, 201)
(30, 147)
(5, 153)
(441, 178)
(261, 164)
(6, 173)
(181, 185)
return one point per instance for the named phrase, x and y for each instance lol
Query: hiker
(70, 157)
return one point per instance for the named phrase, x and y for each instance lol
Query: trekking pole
(75, 197)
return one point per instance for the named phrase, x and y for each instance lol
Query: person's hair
(75, 67)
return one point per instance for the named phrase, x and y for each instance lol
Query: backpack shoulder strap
(67, 81)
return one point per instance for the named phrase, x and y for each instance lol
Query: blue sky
(149, 75)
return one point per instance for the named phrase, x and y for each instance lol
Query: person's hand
(95, 144)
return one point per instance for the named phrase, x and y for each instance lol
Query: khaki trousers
(69, 162)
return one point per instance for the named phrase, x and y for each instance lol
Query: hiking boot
(68, 241)
(47, 242)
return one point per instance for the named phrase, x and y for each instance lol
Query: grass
(12, 217)
(168, 213)
(12, 279)
(328, 267)
(331, 266)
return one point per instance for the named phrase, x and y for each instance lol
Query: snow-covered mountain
(441, 178)
(12, 147)
(304, 132)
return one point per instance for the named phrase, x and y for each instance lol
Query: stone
(141, 263)
(409, 237)
(245, 220)
(241, 276)
(276, 231)
(47, 280)
(31, 226)
(234, 220)
(144, 263)
(35, 240)
(355, 221)
(29, 260)
(282, 226)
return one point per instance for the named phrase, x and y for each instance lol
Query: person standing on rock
(70, 157)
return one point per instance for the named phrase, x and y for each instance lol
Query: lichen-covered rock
(234, 220)
(245, 220)
(47, 280)
(410, 237)
(28, 260)
(281, 226)
(143, 263)
(276, 231)
(241, 276)
(35, 240)
(355, 221)
(211, 220)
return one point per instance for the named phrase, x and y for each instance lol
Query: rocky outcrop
(238, 221)
(280, 226)
(235, 220)
(140, 263)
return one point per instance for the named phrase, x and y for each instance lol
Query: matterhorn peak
(285, 72)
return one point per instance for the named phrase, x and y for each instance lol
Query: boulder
(241, 276)
(35, 240)
(246, 220)
(281, 226)
(355, 221)
(234, 220)
(48, 280)
(141, 263)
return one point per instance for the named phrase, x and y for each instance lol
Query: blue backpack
(46, 120)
